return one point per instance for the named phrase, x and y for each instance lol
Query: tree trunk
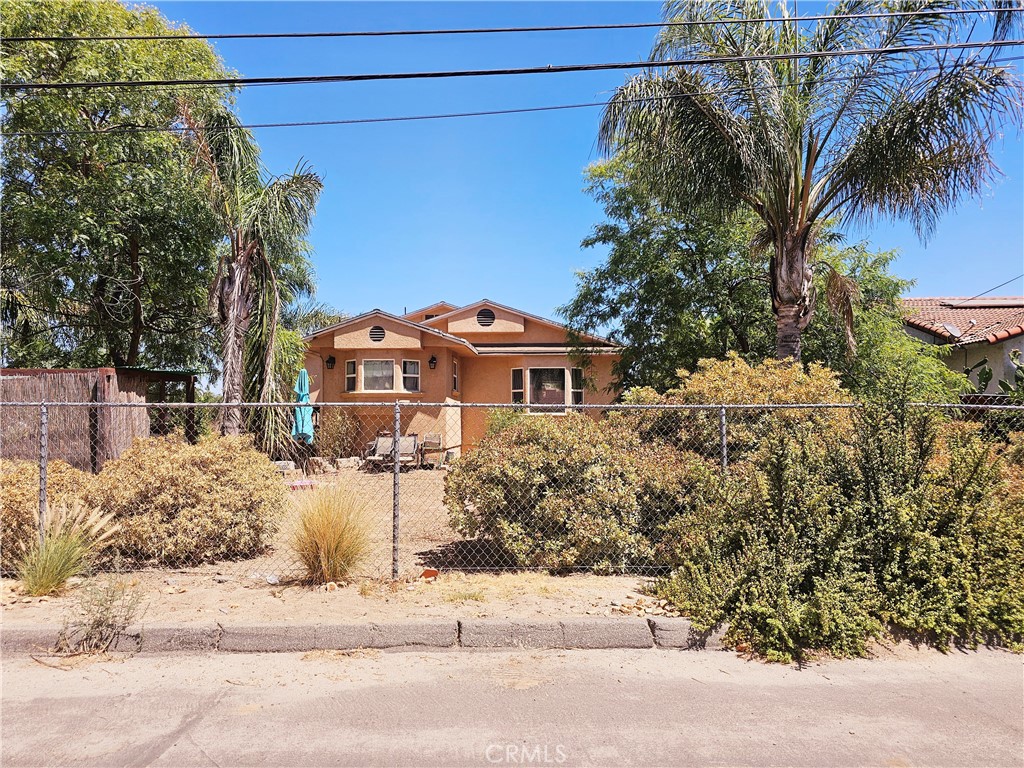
(234, 309)
(792, 294)
(787, 332)
(135, 340)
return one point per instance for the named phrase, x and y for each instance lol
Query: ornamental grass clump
(19, 503)
(75, 537)
(331, 533)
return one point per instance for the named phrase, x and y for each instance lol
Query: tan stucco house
(485, 352)
(977, 328)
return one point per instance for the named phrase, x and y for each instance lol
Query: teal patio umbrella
(302, 430)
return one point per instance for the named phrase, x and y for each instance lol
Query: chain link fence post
(723, 445)
(396, 482)
(44, 451)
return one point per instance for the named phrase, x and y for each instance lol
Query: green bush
(178, 503)
(567, 492)
(819, 543)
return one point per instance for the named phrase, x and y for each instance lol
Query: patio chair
(381, 453)
(431, 446)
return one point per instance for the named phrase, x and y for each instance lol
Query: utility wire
(443, 116)
(983, 293)
(496, 30)
(550, 69)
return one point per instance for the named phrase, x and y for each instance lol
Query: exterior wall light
(329, 362)
(432, 362)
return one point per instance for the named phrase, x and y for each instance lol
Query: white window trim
(419, 371)
(570, 390)
(513, 390)
(362, 374)
(354, 375)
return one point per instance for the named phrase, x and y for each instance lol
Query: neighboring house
(976, 328)
(481, 353)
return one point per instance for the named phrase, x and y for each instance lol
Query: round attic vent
(485, 317)
(376, 333)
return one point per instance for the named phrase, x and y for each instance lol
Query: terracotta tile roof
(961, 320)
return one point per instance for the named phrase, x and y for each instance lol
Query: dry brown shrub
(181, 503)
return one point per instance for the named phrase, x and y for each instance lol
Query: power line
(550, 69)
(494, 30)
(441, 116)
(996, 288)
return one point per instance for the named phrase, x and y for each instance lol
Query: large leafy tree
(263, 262)
(673, 289)
(108, 239)
(799, 141)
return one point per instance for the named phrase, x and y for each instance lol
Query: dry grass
(331, 535)
(465, 595)
(99, 617)
(75, 535)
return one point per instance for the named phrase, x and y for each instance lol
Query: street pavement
(552, 707)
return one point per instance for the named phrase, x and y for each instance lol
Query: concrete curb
(573, 633)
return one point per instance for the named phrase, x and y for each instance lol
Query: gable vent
(485, 317)
(376, 333)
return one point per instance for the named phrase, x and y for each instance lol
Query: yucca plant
(75, 535)
(331, 534)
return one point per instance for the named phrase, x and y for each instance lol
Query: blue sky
(494, 206)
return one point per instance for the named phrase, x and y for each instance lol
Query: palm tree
(803, 140)
(264, 258)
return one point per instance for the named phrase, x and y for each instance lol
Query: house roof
(600, 344)
(513, 310)
(961, 320)
(394, 318)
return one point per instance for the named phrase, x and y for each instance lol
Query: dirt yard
(207, 596)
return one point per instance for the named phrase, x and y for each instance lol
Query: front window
(350, 375)
(379, 375)
(411, 375)
(547, 386)
(455, 375)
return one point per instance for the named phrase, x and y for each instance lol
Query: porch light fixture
(329, 362)
(432, 362)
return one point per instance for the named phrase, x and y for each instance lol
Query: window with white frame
(577, 382)
(455, 375)
(350, 375)
(378, 375)
(411, 375)
(518, 387)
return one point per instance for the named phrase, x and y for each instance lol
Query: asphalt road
(613, 708)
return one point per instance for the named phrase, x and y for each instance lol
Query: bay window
(378, 375)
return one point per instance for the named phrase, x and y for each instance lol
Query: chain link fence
(442, 485)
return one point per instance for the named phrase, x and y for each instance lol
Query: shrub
(818, 545)
(74, 538)
(565, 492)
(99, 616)
(733, 381)
(181, 503)
(777, 561)
(19, 503)
(331, 535)
(337, 434)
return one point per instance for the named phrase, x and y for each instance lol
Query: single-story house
(485, 352)
(977, 329)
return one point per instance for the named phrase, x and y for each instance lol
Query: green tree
(799, 141)
(263, 262)
(673, 289)
(108, 240)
